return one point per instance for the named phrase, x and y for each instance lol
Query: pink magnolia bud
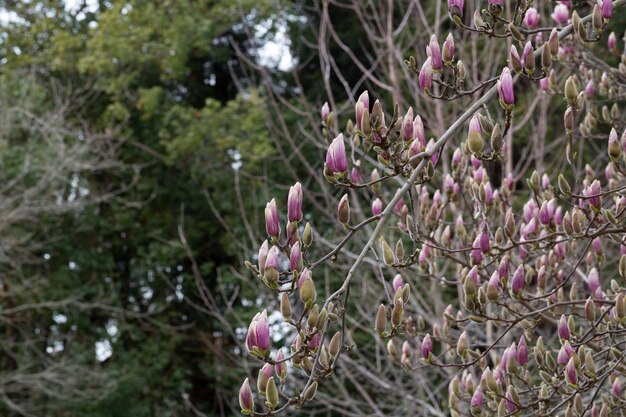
(455, 7)
(593, 280)
(306, 273)
(565, 353)
(505, 88)
(258, 335)
(612, 41)
(365, 99)
(616, 389)
(430, 146)
(476, 252)
(528, 57)
(336, 160)
(477, 400)
(281, 368)
(448, 49)
(522, 351)
(515, 60)
(434, 52)
(294, 203)
(457, 156)
(420, 133)
(355, 176)
(325, 111)
(397, 283)
(246, 401)
(314, 343)
(407, 125)
(563, 328)
(546, 212)
(518, 282)
(560, 14)
(343, 210)
(590, 89)
(377, 207)
(607, 9)
(510, 402)
(592, 196)
(295, 257)
(475, 162)
(571, 377)
(425, 78)
(272, 225)
(427, 347)
(503, 267)
(531, 19)
(596, 245)
(544, 84)
(263, 251)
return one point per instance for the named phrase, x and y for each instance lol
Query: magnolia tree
(507, 294)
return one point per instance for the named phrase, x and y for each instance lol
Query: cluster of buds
(531, 271)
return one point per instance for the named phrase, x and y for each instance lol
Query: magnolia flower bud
(425, 78)
(427, 347)
(258, 336)
(571, 92)
(336, 160)
(607, 9)
(388, 255)
(568, 120)
(272, 224)
(294, 203)
(343, 210)
(475, 140)
(397, 313)
(528, 58)
(448, 49)
(380, 325)
(310, 392)
(563, 329)
(515, 60)
(505, 89)
(246, 401)
(377, 207)
(307, 235)
(462, 345)
(285, 306)
(571, 376)
(307, 291)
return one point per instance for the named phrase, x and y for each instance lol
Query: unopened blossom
(565, 353)
(407, 125)
(281, 367)
(272, 224)
(325, 112)
(477, 400)
(448, 49)
(258, 335)
(505, 89)
(343, 210)
(355, 176)
(246, 401)
(514, 59)
(522, 351)
(427, 346)
(528, 58)
(420, 132)
(518, 282)
(612, 41)
(560, 14)
(294, 203)
(563, 329)
(425, 78)
(295, 257)
(593, 280)
(262, 256)
(544, 84)
(592, 196)
(571, 376)
(455, 7)
(616, 389)
(434, 52)
(475, 140)
(607, 9)
(531, 18)
(590, 89)
(546, 212)
(336, 159)
(377, 207)
(397, 283)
